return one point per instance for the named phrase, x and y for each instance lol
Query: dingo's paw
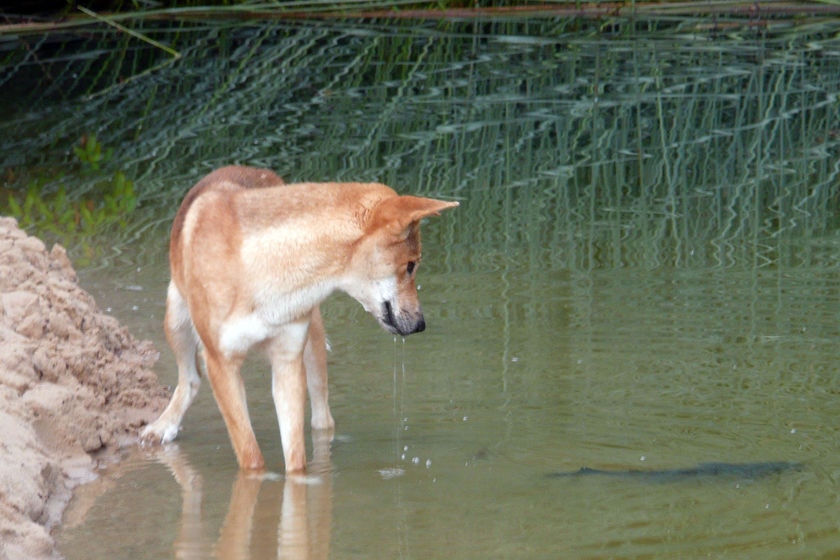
(158, 433)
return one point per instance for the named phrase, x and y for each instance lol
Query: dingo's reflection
(291, 514)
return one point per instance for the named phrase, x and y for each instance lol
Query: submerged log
(749, 471)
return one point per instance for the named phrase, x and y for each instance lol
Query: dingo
(251, 260)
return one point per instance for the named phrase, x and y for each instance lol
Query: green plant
(91, 153)
(45, 207)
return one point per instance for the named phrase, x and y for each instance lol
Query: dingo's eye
(410, 267)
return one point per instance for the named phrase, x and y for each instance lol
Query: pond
(632, 317)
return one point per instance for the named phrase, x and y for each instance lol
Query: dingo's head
(386, 260)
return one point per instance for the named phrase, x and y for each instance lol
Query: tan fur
(251, 260)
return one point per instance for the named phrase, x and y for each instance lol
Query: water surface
(642, 275)
(446, 442)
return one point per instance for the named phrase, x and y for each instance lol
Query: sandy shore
(74, 385)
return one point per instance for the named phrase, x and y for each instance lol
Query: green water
(642, 274)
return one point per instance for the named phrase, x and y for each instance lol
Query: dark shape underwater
(748, 471)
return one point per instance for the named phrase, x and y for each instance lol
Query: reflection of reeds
(582, 150)
(720, 15)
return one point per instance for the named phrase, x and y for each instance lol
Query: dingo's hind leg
(183, 339)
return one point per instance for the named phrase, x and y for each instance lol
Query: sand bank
(74, 385)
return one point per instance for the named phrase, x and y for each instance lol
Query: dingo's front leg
(288, 382)
(229, 390)
(315, 360)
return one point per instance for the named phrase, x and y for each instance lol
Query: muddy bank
(74, 385)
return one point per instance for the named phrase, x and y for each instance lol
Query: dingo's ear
(400, 212)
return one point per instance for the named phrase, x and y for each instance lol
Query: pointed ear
(400, 212)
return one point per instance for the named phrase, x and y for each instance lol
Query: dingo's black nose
(403, 324)
(410, 326)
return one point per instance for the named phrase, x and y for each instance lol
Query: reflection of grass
(646, 145)
(607, 12)
(44, 206)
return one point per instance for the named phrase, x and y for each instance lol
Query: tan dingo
(251, 261)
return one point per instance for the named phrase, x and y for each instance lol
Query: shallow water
(642, 275)
(446, 441)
